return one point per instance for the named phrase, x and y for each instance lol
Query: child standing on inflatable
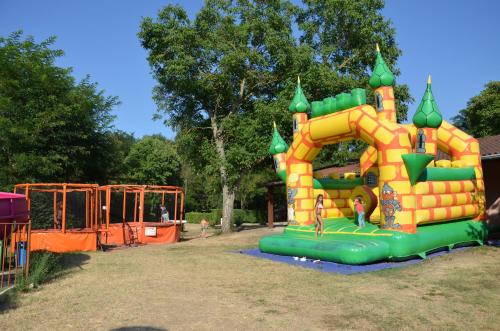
(318, 208)
(358, 204)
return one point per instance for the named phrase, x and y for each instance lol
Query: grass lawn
(200, 284)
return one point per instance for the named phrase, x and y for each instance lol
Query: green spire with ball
(299, 103)
(381, 75)
(278, 145)
(428, 114)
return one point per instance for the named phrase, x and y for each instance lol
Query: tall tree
(53, 128)
(120, 144)
(153, 160)
(482, 116)
(224, 76)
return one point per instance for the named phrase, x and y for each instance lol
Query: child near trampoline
(204, 228)
(165, 217)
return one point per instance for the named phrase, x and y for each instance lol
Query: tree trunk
(227, 208)
(228, 193)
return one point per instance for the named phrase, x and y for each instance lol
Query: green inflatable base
(344, 242)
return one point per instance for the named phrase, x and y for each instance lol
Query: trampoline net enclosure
(139, 203)
(61, 206)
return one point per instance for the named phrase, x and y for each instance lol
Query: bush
(196, 217)
(240, 216)
(43, 266)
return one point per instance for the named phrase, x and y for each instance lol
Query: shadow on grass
(45, 267)
(138, 328)
(253, 226)
(8, 300)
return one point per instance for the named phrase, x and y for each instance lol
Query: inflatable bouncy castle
(413, 204)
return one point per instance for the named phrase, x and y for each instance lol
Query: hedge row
(239, 216)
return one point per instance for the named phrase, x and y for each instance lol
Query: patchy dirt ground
(202, 284)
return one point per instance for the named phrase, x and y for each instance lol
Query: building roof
(352, 167)
(489, 147)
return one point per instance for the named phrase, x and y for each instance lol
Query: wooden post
(64, 208)
(108, 206)
(28, 249)
(182, 206)
(93, 223)
(86, 209)
(124, 211)
(270, 207)
(135, 208)
(141, 207)
(176, 227)
(181, 211)
(4, 251)
(175, 208)
(97, 206)
(98, 210)
(27, 193)
(55, 210)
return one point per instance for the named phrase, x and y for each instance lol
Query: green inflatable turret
(381, 75)
(278, 145)
(299, 103)
(428, 114)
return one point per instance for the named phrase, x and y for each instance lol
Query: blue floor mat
(344, 269)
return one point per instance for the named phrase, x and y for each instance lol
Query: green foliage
(42, 209)
(121, 143)
(196, 217)
(153, 160)
(201, 192)
(339, 154)
(248, 216)
(43, 266)
(53, 128)
(252, 190)
(482, 116)
(240, 216)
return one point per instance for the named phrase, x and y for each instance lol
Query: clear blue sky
(455, 41)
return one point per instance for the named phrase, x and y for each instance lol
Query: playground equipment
(76, 217)
(413, 204)
(13, 209)
(64, 217)
(14, 237)
(131, 214)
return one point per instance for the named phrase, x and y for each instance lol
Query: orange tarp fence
(120, 234)
(58, 242)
